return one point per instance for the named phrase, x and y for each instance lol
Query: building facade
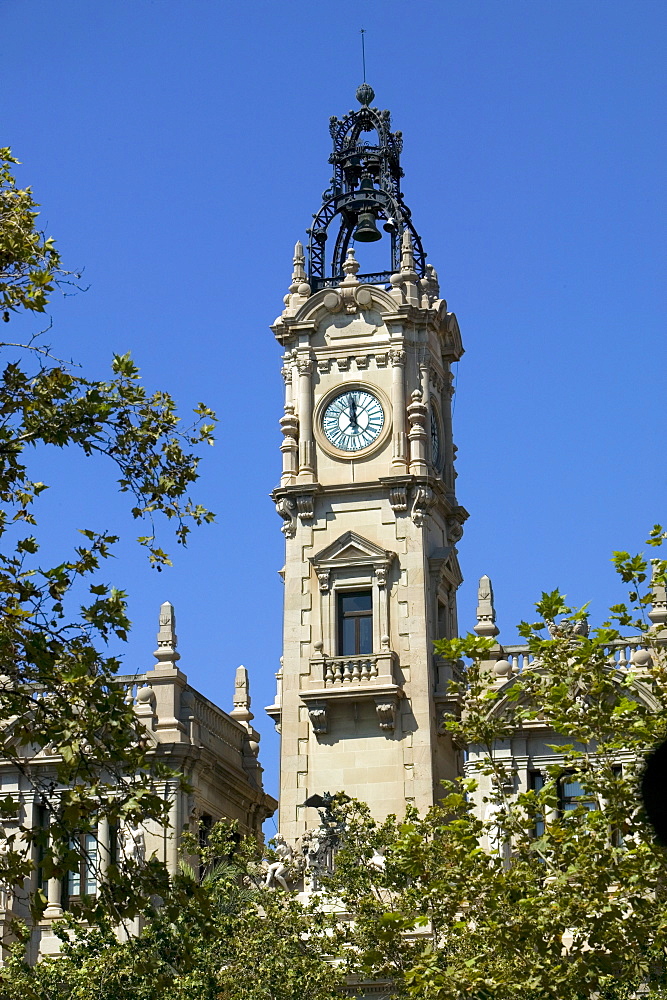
(216, 752)
(367, 496)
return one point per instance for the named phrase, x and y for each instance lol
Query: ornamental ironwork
(365, 188)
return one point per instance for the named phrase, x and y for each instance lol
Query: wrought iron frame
(353, 160)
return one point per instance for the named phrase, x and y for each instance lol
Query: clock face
(353, 420)
(435, 440)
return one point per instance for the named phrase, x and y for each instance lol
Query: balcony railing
(370, 669)
(621, 653)
(350, 670)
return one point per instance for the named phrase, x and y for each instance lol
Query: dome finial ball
(365, 94)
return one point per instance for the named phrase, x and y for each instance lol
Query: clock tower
(367, 496)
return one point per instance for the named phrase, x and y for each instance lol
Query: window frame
(89, 869)
(587, 800)
(357, 617)
(536, 782)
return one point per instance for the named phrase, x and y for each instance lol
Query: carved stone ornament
(381, 360)
(417, 411)
(305, 506)
(286, 509)
(362, 361)
(381, 576)
(454, 530)
(324, 579)
(343, 364)
(166, 638)
(333, 302)
(398, 498)
(323, 365)
(658, 612)
(486, 612)
(304, 366)
(397, 356)
(386, 713)
(422, 501)
(317, 713)
(289, 424)
(568, 629)
(278, 871)
(195, 812)
(437, 381)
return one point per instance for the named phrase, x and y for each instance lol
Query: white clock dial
(353, 420)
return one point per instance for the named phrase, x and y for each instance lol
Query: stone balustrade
(518, 657)
(204, 722)
(631, 652)
(349, 671)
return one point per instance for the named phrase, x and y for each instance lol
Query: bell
(366, 231)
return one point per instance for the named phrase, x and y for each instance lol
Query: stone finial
(299, 290)
(299, 271)
(430, 284)
(407, 255)
(167, 640)
(405, 287)
(241, 711)
(658, 612)
(350, 266)
(486, 612)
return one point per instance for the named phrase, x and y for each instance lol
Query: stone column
(287, 378)
(399, 456)
(103, 846)
(173, 832)
(448, 443)
(417, 416)
(426, 398)
(383, 607)
(306, 443)
(289, 425)
(53, 895)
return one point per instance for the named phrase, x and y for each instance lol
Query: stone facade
(534, 747)
(216, 751)
(382, 521)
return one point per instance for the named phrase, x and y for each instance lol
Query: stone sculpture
(277, 870)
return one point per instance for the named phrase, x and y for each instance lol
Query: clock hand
(353, 411)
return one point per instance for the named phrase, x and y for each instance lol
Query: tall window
(42, 841)
(83, 881)
(355, 623)
(572, 794)
(537, 784)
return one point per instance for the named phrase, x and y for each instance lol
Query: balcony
(372, 668)
(373, 675)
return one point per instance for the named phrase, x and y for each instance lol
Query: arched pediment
(505, 700)
(354, 298)
(352, 549)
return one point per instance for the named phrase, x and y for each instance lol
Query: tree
(57, 690)
(221, 935)
(573, 909)
(574, 905)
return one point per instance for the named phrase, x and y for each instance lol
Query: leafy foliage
(564, 904)
(221, 935)
(64, 722)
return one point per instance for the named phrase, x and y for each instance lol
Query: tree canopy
(563, 905)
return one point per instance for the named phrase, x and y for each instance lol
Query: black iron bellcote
(365, 188)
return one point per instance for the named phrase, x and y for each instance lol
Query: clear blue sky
(179, 150)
